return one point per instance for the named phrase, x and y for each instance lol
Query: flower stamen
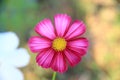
(59, 44)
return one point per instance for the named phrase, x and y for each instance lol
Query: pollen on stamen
(59, 44)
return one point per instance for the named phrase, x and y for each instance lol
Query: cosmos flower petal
(8, 72)
(37, 44)
(18, 58)
(79, 51)
(72, 57)
(44, 58)
(62, 22)
(76, 29)
(8, 42)
(79, 45)
(59, 63)
(45, 28)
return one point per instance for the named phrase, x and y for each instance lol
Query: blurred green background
(102, 18)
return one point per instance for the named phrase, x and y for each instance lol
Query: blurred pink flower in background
(60, 44)
(11, 57)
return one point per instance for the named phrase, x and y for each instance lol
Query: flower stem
(54, 76)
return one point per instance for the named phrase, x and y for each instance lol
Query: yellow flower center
(59, 44)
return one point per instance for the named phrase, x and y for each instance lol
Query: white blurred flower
(11, 57)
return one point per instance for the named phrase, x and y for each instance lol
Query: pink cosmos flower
(59, 44)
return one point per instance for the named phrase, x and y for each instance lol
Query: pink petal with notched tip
(79, 45)
(44, 58)
(77, 29)
(72, 57)
(62, 22)
(37, 44)
(45, 28)
(59, 63)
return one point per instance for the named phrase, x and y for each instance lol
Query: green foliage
(19, 16)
